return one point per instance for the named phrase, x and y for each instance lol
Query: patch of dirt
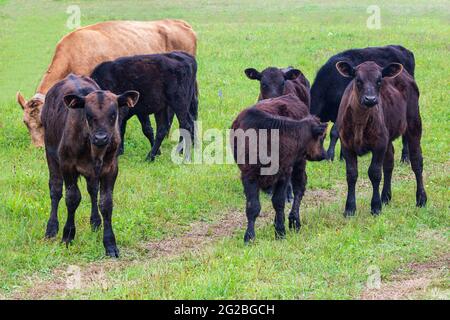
(415, 281)
(200, 234)
(315, 197)
(93, 275)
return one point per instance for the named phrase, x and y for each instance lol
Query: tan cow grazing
(80, 51)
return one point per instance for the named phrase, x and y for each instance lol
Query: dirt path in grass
(428, 280)
(200, 235)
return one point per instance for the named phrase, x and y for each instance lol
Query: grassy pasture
(156, 201)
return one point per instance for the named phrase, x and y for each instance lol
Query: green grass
(328, 259)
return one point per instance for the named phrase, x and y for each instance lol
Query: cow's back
(286, 106)
(329, 85)
(82, 50)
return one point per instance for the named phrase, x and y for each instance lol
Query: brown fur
(81, 138)
(378, 106)
(82, 50)
(288, 106)
(300, 138)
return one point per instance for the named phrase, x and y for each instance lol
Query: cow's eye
(265, 86)
(359, 83)
(112, 117)
(379, 82)
(88, 117)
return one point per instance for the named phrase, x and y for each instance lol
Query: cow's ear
(21, 100)
(392, 70)
(345, 69)
(128, 99)
(319, 129)
(74, 101)
(291, 74)
(253, 74)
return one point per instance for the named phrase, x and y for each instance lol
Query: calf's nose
(100, 139)
(370, 100)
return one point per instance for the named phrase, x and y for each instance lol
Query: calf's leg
(252, 207)
(181, 106)
(289, 192)
(415, 156)
(73, 198)
(278, 202)
(405, 150)
(106, 206)
(351, 163)
(334, 136)
(123, 128)
(147, 129)
(170, 115)
(375, 178)
(388, 166)
(299, 179)
(161, 131)
(56, 185)
(92, 187)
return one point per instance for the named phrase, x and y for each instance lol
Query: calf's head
(314, 140)
(368, 78)
(32, 117)
(272, 80)
(101, 109)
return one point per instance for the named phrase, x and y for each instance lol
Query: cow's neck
(364, 120)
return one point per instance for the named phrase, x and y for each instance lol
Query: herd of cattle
(104, 74)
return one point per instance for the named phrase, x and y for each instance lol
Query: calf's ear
(345, 69)
(291, 74)
(21, 100)
(319, 129)
(392, 70)
(128, 99)
(74, 101)
(253, 74)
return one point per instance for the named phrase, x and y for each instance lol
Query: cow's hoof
(96, 223)
(150, 158)
(249, 237)
(421, 200)
(112, 252)
(404, 159)
(375, 212)
(52, 229)
(386, 197)
(330, 156)
(280, 234)
(68, 235)
(294, 224)
(349, 213)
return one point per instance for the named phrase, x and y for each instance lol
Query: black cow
(166, 82)
(329, 85)
(81, 138)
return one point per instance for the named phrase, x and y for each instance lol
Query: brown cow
(378, 106)
(275, 82)
(82, 50)
(81, 139)
(300, 138)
